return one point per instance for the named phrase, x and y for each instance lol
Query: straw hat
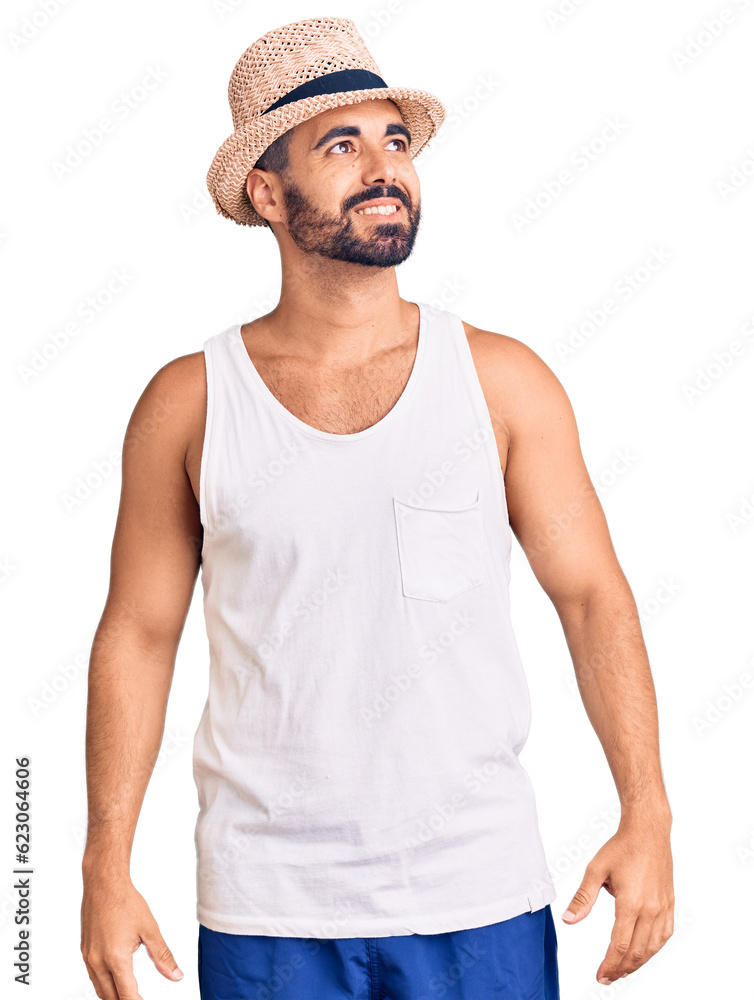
(286, 77)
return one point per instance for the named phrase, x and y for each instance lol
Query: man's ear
(249, 186)
(258, 183)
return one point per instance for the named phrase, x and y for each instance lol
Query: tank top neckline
(272, 400)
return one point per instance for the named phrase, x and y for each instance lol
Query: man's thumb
(161, 955)
(584, 898)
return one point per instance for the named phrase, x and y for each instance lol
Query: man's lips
(375, 203)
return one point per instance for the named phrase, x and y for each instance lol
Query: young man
(348, 471)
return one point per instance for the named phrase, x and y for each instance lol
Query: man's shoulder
(173, 403)
(183, 371)
(181, 383)
(509, 369)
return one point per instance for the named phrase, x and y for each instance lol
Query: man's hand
(636, 867)
(115, 919)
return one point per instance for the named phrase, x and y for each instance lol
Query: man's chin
(389, 244)
(371, 259)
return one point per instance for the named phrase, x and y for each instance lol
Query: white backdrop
(591, 193)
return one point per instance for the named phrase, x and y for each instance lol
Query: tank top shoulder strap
(221, 349)
(224, 359)
(455, 344)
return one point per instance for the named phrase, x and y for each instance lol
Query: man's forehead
(382, 109)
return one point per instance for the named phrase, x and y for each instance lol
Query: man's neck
(338, 313)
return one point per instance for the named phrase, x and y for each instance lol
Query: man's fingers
(125, 981)
(626, 915)
(116, 921)
(659, 935)
(669, 922)
(107, 988)
(160, 954)
(96, 980)
(653, 927)
(638, 950)
(586, 894)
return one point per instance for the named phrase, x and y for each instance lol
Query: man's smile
(378, 210)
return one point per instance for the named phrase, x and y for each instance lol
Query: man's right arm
(154, 565)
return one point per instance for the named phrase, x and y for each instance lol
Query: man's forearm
(129, 684)
(615, 682)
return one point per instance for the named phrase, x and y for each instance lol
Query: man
(347, 471)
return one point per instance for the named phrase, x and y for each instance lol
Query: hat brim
(422, 112)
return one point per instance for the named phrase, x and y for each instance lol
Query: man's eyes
(347, 142)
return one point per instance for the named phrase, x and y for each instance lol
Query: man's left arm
(556, 515)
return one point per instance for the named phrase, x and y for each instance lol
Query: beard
(341, 237)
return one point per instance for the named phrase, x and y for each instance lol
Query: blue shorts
(515, 959)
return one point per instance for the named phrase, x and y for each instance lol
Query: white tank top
(356, 760)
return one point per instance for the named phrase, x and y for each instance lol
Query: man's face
(340, 162)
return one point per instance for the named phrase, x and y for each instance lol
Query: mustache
(381, 191)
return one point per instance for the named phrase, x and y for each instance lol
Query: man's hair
(275, 157)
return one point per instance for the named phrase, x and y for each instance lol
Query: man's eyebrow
(345, 130)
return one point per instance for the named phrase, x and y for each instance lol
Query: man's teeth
(378, 210)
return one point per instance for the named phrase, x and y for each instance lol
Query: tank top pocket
(441, 551)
